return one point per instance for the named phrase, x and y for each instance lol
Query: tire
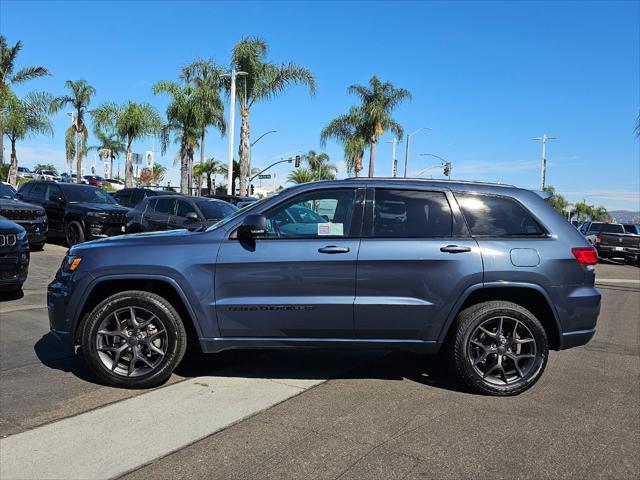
(494, 363)
(37, 247)
(161, 326)
(74, 233)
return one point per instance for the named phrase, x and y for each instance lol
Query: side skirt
(219, 344)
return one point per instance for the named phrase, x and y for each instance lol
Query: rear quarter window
(497, 216)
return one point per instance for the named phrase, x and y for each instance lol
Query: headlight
(70, 263)
(97, 214)
(22, 235)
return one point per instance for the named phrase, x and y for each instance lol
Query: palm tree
(378, 101)
(184, 121)
(224, 171)
(301, 175)
(130, 122)
(23, 118)
(206, 76)
(349, 130)
(109, 147)
(263, 81)
(80, 98)
(208, 168)
(320, 166)
(8, 77)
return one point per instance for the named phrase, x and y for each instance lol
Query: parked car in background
(491, 272)
(14, 256)
(71, 178)
(632, 229)
(115, 184)
(30, 217)
(47, 175)
(234, 199)
(94, 180)
(170, 212)
(75, 211)
(24, 172)
(612, 241)
(130, 197)
(591, 229)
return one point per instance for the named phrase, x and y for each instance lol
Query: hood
(14, 204)
(7, 226)
(101, 207)
(150, 238)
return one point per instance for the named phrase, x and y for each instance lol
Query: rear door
(415, 260)
(158, 218)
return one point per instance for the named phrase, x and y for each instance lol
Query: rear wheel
(133, 339)
(74, 233)
(499, 348)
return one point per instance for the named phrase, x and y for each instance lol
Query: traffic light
(297, 164)
(447, 169)
(252, 189)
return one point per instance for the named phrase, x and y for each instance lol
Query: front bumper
(14, 267)
(102, 230)
(36, 230)
(63, 300)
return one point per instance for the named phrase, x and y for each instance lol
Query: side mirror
(192, 216)
(252, 226)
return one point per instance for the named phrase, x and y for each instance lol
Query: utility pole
(543, 163)
(232, 115)
(406, 153)
(394, 162)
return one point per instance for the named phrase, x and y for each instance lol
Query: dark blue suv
(490, 273)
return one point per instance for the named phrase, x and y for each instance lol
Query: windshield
(87, 194)
(606, 228)
(214, 210)
(6, 191)
(237, 213)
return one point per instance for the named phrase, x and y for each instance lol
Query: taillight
(585, 255)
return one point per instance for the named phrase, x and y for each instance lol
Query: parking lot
(319, 414)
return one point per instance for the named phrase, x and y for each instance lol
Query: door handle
(332, 249)
(455, 249)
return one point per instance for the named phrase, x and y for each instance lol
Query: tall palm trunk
(13, 168)
(204, 131)
(111, 169)
(372, 155)
(243, 150)
(209, 184)
(128, 167)
(357, 165)
(78, 158)
(184, 166)
(1, 143)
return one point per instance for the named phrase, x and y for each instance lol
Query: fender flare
(129, 276)
(491, 285)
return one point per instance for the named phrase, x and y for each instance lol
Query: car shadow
(302, 364)
(11, 295)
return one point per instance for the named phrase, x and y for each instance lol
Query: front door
(415, 259)
(156, 216)
(299, 280)
(54, 205)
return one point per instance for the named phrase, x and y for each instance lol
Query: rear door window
(411, 214)
(166, 206)
(497, 216)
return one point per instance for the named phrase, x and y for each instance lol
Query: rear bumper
(577, 338)
(577, 308)
(613, 251)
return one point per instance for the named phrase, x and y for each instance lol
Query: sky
(486, 77)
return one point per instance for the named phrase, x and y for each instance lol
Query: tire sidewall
(176, 338)
(462, 356)
(81, 234)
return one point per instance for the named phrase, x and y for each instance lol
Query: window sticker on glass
(330, 229)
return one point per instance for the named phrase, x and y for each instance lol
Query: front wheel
(499, 348)
(133, 339)
(74, 233)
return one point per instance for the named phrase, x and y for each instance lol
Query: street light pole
(251, 144)
(394, 162)
(406, 153)
(232, 115)
(543, 162)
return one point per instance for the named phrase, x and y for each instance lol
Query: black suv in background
(235, 199)
(14, 256)
(30, 217)
(169, 212)
(130, 197)
(76, 211)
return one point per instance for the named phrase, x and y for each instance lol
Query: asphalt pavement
(318, 414)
